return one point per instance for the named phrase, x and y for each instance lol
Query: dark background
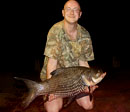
(24, 28)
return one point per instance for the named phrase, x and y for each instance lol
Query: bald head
(73, 3)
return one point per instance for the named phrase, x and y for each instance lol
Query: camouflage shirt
(67, 52)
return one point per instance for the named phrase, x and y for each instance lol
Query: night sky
(25, 26)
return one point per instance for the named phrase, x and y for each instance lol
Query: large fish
(65, 82)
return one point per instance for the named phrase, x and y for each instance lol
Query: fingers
(51, 97)
(86, 89)
(92, 88)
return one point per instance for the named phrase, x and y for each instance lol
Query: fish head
(93, 76)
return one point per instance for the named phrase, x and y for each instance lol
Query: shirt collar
(78, 35)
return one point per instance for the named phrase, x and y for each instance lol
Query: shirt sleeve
(52, 48)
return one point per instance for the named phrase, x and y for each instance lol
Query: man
(68, 44)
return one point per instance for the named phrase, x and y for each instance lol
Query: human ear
(80, 14)
(63, 13)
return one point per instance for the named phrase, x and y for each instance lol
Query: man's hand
(91, 89)
(51, 97)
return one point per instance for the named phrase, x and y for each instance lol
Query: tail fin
(34, 88)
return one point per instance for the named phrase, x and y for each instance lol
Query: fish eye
(97, 75)
(99, 71)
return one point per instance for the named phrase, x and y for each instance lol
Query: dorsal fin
(57, 71)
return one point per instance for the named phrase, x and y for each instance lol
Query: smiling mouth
(71, 16)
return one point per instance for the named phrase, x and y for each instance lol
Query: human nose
(72, 11)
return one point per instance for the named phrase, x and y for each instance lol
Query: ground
(113, 94)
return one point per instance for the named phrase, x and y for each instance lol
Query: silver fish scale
(72, 89)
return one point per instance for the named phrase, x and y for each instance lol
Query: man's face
(71, 12)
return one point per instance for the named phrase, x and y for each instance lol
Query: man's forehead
(72, 3)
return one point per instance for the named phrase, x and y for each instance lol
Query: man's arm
(51, 65)
(84, 63)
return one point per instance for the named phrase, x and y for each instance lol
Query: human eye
(68, 9)
(76, 10)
